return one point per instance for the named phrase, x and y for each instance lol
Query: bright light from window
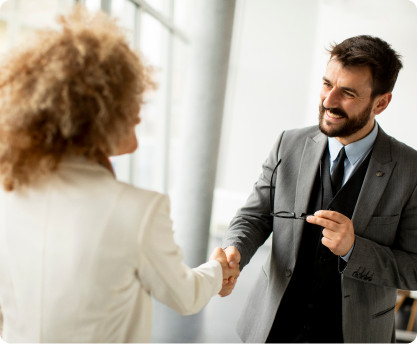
(2, 2)
(92, 5)
(117, 6)
(415, 2)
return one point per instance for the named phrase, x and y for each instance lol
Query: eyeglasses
(288, 214)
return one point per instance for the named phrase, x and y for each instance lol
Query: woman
(80, 253)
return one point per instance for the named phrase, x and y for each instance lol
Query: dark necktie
(338, 172)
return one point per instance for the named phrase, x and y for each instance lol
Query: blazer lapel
(376, 179)
(313, 151)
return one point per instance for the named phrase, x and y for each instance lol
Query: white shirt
(356, 153)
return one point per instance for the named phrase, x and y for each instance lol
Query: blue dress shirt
(356, 152)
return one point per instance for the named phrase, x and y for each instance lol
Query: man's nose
(332, 99)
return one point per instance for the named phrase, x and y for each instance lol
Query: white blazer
(80, 255)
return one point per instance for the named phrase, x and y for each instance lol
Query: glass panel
(93, 5)
(126, 12)
(150, 161)
(122, 165)
(183, 10)
(19, 18)
(162, 6)
(33, 14)
(7, 7)
(3, 36)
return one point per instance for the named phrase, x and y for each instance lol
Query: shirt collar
(355, 150)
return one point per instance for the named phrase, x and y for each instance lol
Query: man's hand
(229, 273)
(233, 258)
(338, 232)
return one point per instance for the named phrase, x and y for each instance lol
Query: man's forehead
(360, 76)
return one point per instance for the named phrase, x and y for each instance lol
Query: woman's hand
(228, 273)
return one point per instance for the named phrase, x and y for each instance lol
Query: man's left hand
(338, 232)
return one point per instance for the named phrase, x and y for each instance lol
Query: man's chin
(330, 129)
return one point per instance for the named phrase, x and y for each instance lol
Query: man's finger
(324, 222)
(331, 215)
(228, 288)
(329, 234)
(233, 256)
(326, 242)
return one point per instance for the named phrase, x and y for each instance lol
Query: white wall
(395, 21)
(278, 60)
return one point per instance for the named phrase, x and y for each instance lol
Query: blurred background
(232, 75)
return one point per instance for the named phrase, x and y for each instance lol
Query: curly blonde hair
(71, 91)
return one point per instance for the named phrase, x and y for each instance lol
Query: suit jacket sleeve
(395, 266)
(161, 270)
(252, 224)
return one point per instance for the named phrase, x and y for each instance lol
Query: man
(333, 276)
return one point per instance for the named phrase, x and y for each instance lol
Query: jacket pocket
(382, 229)
(382, 313)
(383, 220)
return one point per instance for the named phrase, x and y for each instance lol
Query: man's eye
(326, 84)
(348, 94)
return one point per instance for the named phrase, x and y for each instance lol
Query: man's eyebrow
(349, 89)
(327, 80)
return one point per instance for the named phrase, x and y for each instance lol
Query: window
(151, 30)
(153, 27)
(19, 18)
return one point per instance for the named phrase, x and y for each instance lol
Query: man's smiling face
(346, 106)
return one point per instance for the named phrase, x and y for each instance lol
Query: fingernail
(232, 280)
(309, 218)
(224, 283)
(316, 213)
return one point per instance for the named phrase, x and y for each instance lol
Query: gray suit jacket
(385, 223)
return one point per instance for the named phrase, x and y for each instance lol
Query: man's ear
(381, 102)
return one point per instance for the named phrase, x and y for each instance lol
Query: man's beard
(349, 126)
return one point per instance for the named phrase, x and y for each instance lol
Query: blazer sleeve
(394, 267)
(252, 224)
(161, 270)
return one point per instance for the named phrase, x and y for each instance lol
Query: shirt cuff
(347, 256)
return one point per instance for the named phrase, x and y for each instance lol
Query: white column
(106, 6)
(211, 36)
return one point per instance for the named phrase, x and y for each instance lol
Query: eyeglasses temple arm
(322, 188)
(270, 187)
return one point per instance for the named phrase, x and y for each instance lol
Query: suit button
(355, 274)
(379, 174)
(288, 272)
(310, 305)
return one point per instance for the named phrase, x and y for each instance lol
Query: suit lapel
(313, 151)
(374, 183)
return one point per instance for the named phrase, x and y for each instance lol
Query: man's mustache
(335, 111)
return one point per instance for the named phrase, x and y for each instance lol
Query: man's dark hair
(373, 52)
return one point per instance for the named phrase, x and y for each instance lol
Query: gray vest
(311, 308)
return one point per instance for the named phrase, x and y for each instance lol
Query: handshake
(229, 260)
